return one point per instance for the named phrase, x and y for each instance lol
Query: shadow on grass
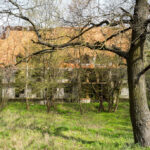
(58, 133)
(59, 130)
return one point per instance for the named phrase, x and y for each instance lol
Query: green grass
(65, 129)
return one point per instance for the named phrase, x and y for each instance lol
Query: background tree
(7, 80)
(110, 75)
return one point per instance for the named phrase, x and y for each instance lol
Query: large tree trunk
(139, 111)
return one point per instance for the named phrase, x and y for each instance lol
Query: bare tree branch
(142, 72)
(146, 22)
(93, 26)
(126, 13)
(34, 54)
(102, 47)
(119, 32)
(24, 18)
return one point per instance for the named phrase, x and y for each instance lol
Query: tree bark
(48, 105)
(139, 111)
(101, 107)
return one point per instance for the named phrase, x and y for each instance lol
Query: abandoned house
(80, 73)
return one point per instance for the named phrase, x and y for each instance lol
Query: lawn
(64, 128)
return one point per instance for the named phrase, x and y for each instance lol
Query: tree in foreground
(138, 21)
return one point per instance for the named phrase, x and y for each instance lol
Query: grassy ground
(64, 128)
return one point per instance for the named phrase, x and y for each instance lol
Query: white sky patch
(111, 5)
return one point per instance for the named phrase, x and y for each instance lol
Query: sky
(65, 3)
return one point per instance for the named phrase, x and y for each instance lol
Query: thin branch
(24, 18)
(57, 38)
(34, 54)
(93, 26)
(146, 22)
(115, 23)
(142, 72)
(126, 13)
(114, 49)
(114, 35)
(18, 6)
(137, 38)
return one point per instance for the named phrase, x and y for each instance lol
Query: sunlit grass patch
(64, 128)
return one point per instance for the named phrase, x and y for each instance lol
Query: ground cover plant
(64, 128)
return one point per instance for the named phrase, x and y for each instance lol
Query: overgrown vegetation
(64, 128)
